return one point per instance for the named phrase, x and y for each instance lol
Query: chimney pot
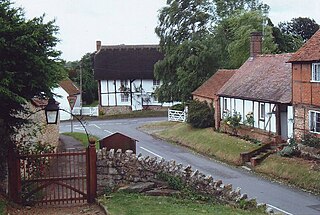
(98, 44)
(255, 44)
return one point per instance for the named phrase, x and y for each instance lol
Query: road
(280, 197)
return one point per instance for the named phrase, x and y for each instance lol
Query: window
(124, 83)
(315, 72)
(156, 82)
(314, 121)
(262, 112)
(124, 97)
(225, 104)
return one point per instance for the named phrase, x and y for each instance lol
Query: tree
(286, 43)
(304, 27)
(29, 66)
(89, 85)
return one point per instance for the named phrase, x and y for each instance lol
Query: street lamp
(52, 111)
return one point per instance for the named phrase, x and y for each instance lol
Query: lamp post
(52, 112)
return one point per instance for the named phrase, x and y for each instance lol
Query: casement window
(124, 83)
(225, 104)
(124, 97)
(314, 121)
(315, 72)
(262, 112)
(156, 82)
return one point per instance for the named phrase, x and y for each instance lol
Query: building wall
(306, 97)
(267, 123)
(140, 93)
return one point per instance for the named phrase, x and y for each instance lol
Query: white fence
(177, 116)
(86, 111)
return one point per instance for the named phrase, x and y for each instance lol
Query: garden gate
(61, 177)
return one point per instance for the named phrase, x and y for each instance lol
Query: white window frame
(262, 111)
(313, 121)
(124, 97)
(315, 75)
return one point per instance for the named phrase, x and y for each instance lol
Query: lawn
(137, 114)
(121, 203)
(205, 141)
(295, 171)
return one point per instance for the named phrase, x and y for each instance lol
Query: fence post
(14, 175)
(91, 172)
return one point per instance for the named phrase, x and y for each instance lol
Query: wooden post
(14, 175)
(91, 172)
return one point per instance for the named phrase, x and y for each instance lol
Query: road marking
(108, 131)
(151, 152)
(95, 126)
(283, 211)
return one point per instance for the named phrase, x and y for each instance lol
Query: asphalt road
(280, 197)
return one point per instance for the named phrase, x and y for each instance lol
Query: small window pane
(262, 111)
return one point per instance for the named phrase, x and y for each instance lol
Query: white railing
(177, 116)
(86, 111)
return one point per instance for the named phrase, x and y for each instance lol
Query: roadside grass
(205, 141)
(295, 171)
(2, 206)
(137, 114)
(82, 138)
(132, 203)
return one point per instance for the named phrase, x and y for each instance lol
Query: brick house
(125, 77)
(209, 89)
(261, 87)
(306, 87)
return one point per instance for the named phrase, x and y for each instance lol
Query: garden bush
(200, 114)
(311, 140)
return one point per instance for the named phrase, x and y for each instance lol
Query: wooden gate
(64, 177)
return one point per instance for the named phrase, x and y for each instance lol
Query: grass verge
(137, 114)
(205, 141)
(295, 171)
(131, 203)
(82, 138)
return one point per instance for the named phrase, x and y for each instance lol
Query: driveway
(281, 197)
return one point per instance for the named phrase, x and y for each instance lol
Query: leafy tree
(286, 43)
(89, 85)
(302, 26)
(29, 66)
(233, 34)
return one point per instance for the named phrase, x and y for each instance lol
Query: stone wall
(115, 110)
(117, 168)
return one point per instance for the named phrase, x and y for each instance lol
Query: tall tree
(183, 29)
(29, 65)
(302, 26)
(89, 85)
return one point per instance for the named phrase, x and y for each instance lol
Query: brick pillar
(217, 112)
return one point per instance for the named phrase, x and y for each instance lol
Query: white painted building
(66, 89)
(125, 77)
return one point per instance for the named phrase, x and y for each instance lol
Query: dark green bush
(311, 140)
(200, 114)
(179, 107)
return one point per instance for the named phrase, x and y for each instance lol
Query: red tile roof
(211, 87)
(310, 51)
(263, 78)
(69, 87)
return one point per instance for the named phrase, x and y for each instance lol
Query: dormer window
(315, 72)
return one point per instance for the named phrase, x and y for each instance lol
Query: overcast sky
(114, 22)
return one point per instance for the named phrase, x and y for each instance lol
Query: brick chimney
(255, 44)
(98, 44)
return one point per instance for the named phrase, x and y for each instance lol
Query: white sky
(114, 22)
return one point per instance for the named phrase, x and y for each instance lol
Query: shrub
(179, 107)
(174, 182)
(232, 120)
(200, 115)
(311, 140)
(290, 150)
